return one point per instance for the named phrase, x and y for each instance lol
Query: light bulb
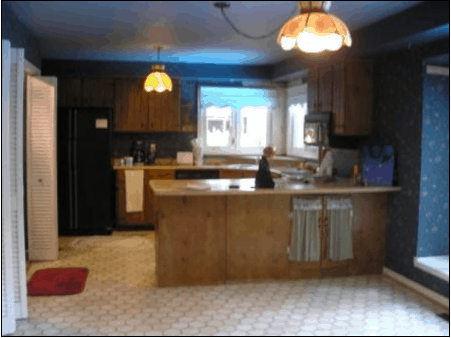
(287, 43)
(309, 42)
(334, 42)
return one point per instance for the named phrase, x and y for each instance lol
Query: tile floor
(122, 305)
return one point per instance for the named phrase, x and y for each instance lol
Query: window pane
(219, 121)
(253, 127)
(297, 112)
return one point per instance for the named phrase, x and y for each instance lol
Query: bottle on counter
(357, 175)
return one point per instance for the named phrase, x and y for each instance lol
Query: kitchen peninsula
(210, 233)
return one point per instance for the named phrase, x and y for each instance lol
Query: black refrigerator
(85, 174)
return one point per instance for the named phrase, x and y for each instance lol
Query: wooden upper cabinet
(69, 92)
(131, 106)
(164, 109)
(339, 99)
(345, 89)
(98, 92)
(359, 98)
(325, 82)
(312, 91)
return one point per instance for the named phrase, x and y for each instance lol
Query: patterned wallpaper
(433, 228)
(398, 109)
(20, 36)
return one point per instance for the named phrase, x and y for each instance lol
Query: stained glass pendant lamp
(158, 80)
(314, 30)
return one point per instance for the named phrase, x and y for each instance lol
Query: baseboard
(432, 295)
(134, 227)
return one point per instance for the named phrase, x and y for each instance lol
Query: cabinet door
(359, 100)
(312, 90)
(170, 108)
(69, 92)
(259, 252)
(325, 97)
(98, 93)
(164, 109)
(131, 105)
(122, 216)
(339, 99)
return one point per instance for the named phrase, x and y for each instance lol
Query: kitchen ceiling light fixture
(314, 30)
(158, 80)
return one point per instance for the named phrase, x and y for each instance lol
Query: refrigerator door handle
(70, 174)
(75, 172)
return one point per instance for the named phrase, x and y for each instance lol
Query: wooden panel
(160, 174)
(325, 89)
(149, 201)
(370, 211)
(312, 90)
(98, 93)
(231, 173)
(339, 99)
(131, 105)
(258, 230)
(359, 102)
(250, 173)
(170, 108)
(304, 270)
(123, 217)
(69, 92)
(155, 116)
(191, 237)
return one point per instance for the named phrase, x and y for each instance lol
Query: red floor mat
(60, 281)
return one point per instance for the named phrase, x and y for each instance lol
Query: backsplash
(433, 228)
(398, 92)
(167, 143)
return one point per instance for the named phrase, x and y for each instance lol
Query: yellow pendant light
(158, 80)
(314, 30)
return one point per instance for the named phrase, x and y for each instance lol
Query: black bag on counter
(263, 179)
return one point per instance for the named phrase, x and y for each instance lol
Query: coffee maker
(138, 152)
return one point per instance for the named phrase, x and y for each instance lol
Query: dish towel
(134, 183)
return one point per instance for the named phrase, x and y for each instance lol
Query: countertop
(247, 187)
(189, 167)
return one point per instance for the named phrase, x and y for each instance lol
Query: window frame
(308, 152)
(235, 148)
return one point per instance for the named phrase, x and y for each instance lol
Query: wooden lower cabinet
(214, 239)
(122, 216)
(257, 235)
(146, 217)
(191, 240)
(231, 174)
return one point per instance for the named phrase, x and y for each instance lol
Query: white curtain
(339, 213)
(305, 245)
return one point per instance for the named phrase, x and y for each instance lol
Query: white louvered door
(17, 181)
(8, 303)
(41, 169)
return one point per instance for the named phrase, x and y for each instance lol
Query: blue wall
(398, 118)
(20, 36)
(433, 229)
